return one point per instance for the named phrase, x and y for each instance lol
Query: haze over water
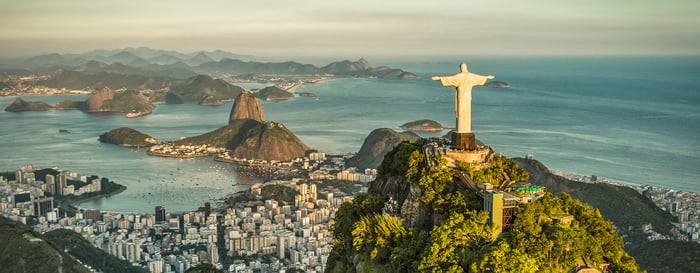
(633, 119)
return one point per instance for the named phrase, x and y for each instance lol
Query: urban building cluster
(172, 150)
(25, 196)
(260, 235)
(352, 174)
(24, 85)
(317, 166)
(685, 206)
(263, 235)
(292, 236)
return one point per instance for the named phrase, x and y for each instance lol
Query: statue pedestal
(463, 141)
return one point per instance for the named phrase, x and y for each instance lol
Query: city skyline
(358, 28)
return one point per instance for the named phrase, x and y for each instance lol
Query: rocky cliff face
(246, 106)
(94, 102)
(377, 144)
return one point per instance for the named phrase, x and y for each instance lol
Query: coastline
(75, 204)
(296, 84)
(587, 179)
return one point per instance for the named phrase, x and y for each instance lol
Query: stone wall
(476, 158)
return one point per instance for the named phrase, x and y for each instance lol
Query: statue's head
(463, 67)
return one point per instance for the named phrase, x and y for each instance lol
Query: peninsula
(246, 136)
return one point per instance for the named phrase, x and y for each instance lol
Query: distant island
(273, 93)
(306, 94)
(20, 105)
(128, 137)
(423, 125)
(497, 84)
(131, 102)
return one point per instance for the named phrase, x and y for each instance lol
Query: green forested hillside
(129, 137)
(97, 258)
(22, 250)
(441, 227)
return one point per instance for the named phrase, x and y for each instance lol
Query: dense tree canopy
(204, 268)
(548, 235)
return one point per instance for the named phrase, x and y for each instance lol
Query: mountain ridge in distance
(208, 62)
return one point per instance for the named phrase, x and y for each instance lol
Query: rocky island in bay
(273, 93)
(423, 125)
(497, 84)
(128, 137)
(20, 105)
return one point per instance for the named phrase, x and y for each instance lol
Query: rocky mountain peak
(246, 106)
(363, 64)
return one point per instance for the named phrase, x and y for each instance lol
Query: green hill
(242, 67)
(251, 139)
(438, 225)
(377, 144)
(624, 206)
(194, 90)
(667, 256)
(359, 68)
(423, 125)
(273, 93)
(83, 81)
(628, 210)
(20, 105)
(129, 137)
(97, 258)
(23, 250)
(222, 137)
(129, 101)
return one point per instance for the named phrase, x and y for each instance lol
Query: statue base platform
(464, 141)
(479, 158)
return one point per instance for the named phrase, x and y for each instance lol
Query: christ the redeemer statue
(463, 138)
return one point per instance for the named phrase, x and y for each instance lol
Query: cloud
(312, 27)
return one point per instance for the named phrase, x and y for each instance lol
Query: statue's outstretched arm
(490, 77)
(436, 78)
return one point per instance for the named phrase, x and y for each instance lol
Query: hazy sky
(357, 27)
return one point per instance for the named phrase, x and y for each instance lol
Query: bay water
(631, 119)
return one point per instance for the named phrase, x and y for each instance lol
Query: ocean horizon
(628, 119)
